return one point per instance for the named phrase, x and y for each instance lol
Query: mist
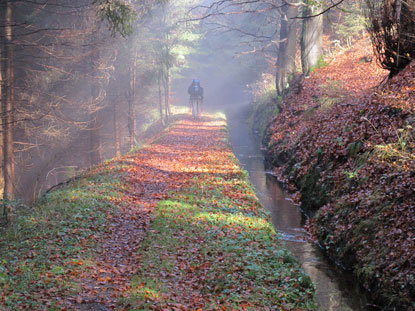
(232, 54)
(86, 85)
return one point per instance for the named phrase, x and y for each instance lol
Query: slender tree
(132, 120)
(287, 47)
(8, 105)
(311, 36)
(117, 142)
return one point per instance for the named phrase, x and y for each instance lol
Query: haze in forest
(97, 130)
(84, 80)
(88, 82)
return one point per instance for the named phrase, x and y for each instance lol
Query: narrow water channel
(335, 290)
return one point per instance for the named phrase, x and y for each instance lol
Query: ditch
(335, 288)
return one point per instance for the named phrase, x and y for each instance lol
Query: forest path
(175, 225)
(166, 165)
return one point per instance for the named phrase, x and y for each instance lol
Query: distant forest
(82, 80)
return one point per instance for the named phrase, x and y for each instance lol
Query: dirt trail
(168, 164)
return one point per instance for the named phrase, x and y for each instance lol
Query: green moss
(366, 226)
(354, 148)
(264, 109)
(320, 64)
(314, 193)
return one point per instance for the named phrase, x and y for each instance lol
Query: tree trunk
(95, 139)
(95, 125)
(311, 38)
(132, 100)
(2, 93)
(166, 78)
(405, 15)
(8, 107)
(116, 132)
(131, 122)
(167, 95)
(95, 121)
(159, 78)
(287, 48)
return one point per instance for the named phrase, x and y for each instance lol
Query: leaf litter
(344, 143)
(172, 226)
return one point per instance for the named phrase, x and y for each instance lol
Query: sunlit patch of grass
(213, 246)
(220, 115)
(400, 152)
(333, 93)
(175, 109)
(239, 221)
(147, 290)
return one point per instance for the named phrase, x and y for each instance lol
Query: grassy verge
(50, 245)
(212, 247)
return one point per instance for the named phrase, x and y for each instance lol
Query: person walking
(196, 97)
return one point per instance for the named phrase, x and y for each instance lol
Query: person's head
(195, 81)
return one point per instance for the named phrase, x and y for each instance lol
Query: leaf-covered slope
(347, 148)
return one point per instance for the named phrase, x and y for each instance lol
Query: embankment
(345, 149)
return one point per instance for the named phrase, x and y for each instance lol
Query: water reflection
(335, 290)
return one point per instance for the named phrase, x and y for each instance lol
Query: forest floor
(174, 225)
(344, 144)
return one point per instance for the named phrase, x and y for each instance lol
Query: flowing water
(335, 290)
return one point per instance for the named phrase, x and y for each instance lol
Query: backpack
(196, 89)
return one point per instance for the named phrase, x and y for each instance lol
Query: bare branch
(322, 12)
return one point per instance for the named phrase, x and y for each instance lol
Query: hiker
(196, 97)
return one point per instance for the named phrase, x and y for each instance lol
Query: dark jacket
(195, 90)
